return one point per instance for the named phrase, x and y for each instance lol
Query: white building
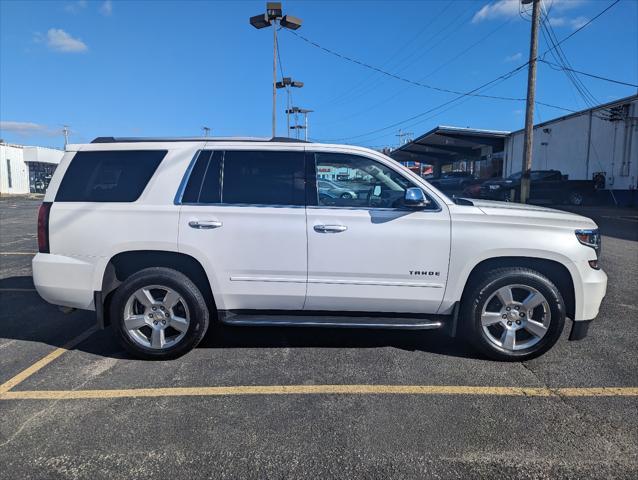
(25, 169)
(599, 141)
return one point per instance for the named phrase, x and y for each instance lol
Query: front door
(366, 251)
(243, 217)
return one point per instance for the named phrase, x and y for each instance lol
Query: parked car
(334, 189)
(160, 237)
(472, 191)
(546, 186)
(454, 181)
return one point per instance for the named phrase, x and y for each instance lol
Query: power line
(392, 75)
(392, 59)
(461, 95)
(412, 57)
(587, 74)
(396, 94)
(470, 93)
(582, 26)
(561, 58)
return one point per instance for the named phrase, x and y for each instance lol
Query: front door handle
(330, 228)
(205, 224)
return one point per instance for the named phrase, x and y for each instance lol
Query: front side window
(108, 176)
(345, 180)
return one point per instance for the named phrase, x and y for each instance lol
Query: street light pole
(274, 78)
(288, 83)
(273, 17)
(529, 108)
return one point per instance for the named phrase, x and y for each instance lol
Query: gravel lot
(352, 435)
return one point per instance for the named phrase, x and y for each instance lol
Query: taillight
(43, 227)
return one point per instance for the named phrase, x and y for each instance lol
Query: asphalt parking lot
(297, 403)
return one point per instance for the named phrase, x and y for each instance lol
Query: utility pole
(529, 108)
(206, 131)
(65, 132)
(402, 135)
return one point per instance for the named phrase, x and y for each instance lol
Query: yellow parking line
(43, 362)
(321, 390)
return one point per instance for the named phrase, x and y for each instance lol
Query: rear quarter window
(108, 176)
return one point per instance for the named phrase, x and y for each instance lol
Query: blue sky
(152, 68)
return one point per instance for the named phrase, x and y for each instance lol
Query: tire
(346, 195)
(536, 327)
(153, 325)
(575, 198)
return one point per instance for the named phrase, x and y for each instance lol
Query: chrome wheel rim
(516, 317)
(156, 317)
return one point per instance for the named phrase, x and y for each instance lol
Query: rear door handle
(205, 224)
(330, 228)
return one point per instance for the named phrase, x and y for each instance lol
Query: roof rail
(194, 139)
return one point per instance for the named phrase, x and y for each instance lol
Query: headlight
(590, 238)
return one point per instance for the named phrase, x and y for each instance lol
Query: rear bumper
(65, 281)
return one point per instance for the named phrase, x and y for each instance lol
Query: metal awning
(444, 145)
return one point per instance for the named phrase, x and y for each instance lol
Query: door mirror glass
(414, 197)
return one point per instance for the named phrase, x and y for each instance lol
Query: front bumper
(594, 288)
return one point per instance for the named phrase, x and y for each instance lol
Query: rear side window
(263, 178)
(110, 176)
(204, 183)
(247, 178)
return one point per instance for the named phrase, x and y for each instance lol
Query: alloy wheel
(515, 317)
(156, 317)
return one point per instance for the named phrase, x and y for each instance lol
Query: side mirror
(415, 198)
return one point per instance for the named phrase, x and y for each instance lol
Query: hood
(533, 213)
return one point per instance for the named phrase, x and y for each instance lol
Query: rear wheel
(159, 313)
(513, 314)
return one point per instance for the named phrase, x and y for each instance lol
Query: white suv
(161, 236)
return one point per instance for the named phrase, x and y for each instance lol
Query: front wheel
(159, 313)
(513, 314)
(576, 198)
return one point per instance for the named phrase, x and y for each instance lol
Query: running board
(266, 320)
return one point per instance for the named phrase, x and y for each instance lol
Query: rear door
(243, 213)
(370, 253)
